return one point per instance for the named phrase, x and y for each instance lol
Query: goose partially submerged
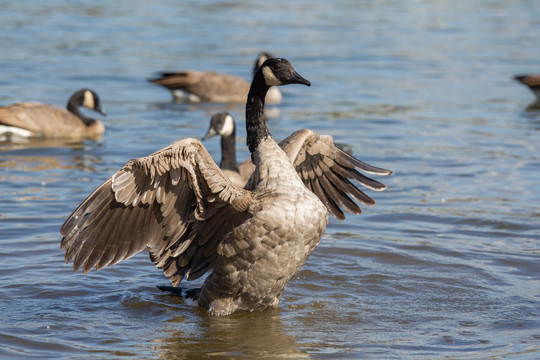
(209, 86)
(31, 119)
(179, 205)
(532, 82)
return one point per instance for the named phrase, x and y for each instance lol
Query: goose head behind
(88, 99)
(223, 124)
(220, 124)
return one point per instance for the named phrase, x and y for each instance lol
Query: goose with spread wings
(180, 206)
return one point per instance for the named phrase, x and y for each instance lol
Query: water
(446, 265)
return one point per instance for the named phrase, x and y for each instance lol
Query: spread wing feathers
(157, 202)
(327, 171)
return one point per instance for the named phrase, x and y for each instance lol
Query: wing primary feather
(361, 178)
(352, 162)
(80, 237)
(348, 187)
(339, 195)
(328, 202)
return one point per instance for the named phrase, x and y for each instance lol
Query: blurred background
(445, 265)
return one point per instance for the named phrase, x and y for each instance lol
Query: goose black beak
(210, 133)
(296, 78)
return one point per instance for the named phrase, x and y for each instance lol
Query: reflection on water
(40, 155)
(18, 143)
(244, 335)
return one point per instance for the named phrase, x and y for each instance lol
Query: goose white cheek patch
(270, 78)
(228, 126)
(88, 100)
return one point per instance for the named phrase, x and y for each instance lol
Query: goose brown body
(210, 86)
(32, 119)
(193, 219)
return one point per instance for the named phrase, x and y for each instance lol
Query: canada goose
(532, 81)
(192, 218)
(208, 86)
(31, 119)
(223, 124)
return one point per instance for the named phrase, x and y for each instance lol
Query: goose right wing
(175, 202)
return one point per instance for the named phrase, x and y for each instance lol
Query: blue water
(445, 265)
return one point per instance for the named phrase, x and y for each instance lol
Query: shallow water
(446, 265)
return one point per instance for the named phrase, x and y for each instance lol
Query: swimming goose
(532, 82)
(32, 119)
(223, 124)
(179, 205)
(208, 86)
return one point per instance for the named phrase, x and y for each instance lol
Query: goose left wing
(175, 202)
(327, 171)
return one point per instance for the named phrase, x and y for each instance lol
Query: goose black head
(278, 71)
(220, 124)
(89, 99)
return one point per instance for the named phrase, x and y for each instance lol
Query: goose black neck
(228, 152)
(255, 124)
(73, 107)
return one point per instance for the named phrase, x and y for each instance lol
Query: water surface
(444, 266)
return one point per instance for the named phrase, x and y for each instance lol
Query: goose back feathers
(210, 86)
(31, 119)
(179, 204)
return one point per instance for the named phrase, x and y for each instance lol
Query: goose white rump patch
(14, 131)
